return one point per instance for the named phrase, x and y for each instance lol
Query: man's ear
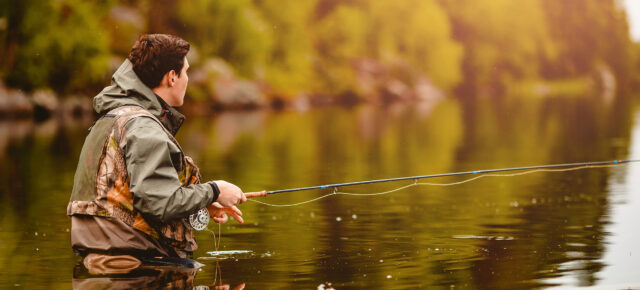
(171, 77)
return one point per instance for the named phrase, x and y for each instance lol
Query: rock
(606, 83)
(218, 68)
(76, 106)
(45, 103)
(425, 90)
(238, 94)
(395, 90)
(369, 74)
(14, 103)
(384, 83)
(228, 90)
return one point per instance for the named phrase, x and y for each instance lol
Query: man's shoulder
(145, 127)
(143, 121)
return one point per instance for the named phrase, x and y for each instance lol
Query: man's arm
(157, 192)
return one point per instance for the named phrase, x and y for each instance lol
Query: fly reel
(199, 220)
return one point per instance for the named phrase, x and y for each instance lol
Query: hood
(127, 89)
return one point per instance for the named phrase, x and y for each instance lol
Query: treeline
(260, 51)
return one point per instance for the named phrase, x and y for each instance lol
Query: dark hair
(153, 55)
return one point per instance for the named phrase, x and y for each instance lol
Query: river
(544, 229)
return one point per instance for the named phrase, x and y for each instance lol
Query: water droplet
(354, 216)
(338, 219)
(381, 261)
(36, 233)
(388, 276)
(312, 214)
(273, 218)
(67, 230)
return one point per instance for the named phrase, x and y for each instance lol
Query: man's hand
(230, 194)
(219, 213)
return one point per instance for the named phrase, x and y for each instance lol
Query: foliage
(311, 46)
(503, 39)
(419, 33)
(589, 33)
(412, 32)
(61, 45)
(289, 63)
(508, 41)
(231, 29)
(341, 37)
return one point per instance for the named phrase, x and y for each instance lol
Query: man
(134, 187)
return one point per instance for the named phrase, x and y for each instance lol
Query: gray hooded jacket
(151, 159)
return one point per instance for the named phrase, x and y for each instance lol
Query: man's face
(179, 88)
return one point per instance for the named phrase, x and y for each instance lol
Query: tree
(59, 45)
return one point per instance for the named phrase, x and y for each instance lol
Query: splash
(229, 253)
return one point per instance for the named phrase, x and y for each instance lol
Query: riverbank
(214, 88)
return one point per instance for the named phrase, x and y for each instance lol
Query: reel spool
(199, 220)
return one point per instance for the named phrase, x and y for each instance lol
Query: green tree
(289, 63)
(589, 33)
(504, 40)
(418, 32)
(59, 44)
(231, 29)
(414, 32)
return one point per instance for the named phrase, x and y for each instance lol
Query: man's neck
(162, 93)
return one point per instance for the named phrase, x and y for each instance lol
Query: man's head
(160, 62)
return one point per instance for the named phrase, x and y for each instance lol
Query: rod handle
(255, 194)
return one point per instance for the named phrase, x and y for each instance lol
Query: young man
(134, 187)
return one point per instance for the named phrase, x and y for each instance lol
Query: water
(540, 230)
(229, 253)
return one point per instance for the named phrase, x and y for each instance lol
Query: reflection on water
(623, 235)
(541, 229)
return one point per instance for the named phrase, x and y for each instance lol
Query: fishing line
(216, 244)
(480, 174)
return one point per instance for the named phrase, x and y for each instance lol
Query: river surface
(546, 229)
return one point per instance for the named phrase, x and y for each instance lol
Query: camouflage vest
(101, 186)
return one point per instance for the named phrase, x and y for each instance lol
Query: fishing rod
(418, 177)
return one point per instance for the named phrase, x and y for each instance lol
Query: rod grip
(255, 194)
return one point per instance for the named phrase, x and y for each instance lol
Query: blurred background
(249, 54)
(298, 93)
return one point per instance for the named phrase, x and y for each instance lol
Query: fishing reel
(199, 221)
